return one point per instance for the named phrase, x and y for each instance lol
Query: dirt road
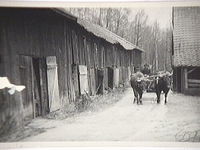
(179, 120)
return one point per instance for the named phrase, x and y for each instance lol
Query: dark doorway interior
(194, 73)
(33, 74)
(110, 77)
(178, 78)
(37, 88)
(99, 81)
(40, 91)
(76, 80)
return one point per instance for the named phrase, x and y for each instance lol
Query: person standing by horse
(146, 70)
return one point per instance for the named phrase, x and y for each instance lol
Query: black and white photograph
(100, 73)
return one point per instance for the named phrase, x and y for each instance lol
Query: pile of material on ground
(88, 103)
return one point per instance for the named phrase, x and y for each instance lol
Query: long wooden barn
(186, 49)
(57, 57)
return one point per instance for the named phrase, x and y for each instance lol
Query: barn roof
(107, 35)
(186, 36)
(103, 33)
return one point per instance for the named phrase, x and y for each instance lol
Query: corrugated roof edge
(120, 40)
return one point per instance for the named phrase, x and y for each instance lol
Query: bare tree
(138, 25)
(108, 17)
(155, 42)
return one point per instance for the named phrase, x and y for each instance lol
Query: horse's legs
(135, 95)
(140, 97)
(158, 92)
(166, 92)
(165, 98)
(135, 99)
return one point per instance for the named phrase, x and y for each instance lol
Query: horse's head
(141, 84)
(167, 80)
(163, 80)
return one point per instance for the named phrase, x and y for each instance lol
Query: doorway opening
(99, 81)
(110, 77)
(178, 78)
(39, 75)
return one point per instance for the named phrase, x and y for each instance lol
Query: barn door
(75, 80)
(26, 78)
(83, 79)
(43, 86)
(52, 79)
(92, 82)
(116, 77)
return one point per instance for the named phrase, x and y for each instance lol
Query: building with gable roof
(58, 57)
(186, 49)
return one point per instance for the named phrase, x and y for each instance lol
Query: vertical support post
(32, 88)
(186, 78)
(183, 80)
(175, 83)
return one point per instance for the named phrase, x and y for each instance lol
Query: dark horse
(162, 84)
(137, 86)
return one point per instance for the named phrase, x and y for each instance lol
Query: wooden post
(186, 78)
(32, 88)
(183, 80)
(174, 79)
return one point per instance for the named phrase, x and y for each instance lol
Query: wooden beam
(194, 81)
(191, 70)
(194, 85)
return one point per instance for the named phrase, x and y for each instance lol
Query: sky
(161, 14)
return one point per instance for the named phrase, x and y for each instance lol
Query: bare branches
(136, 29)
(138, 25)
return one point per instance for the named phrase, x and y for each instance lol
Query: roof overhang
(64, 13)
(99, 31)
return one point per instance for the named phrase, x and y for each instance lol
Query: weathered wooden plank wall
(11, 107)
(33, 33)
(42, 33)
